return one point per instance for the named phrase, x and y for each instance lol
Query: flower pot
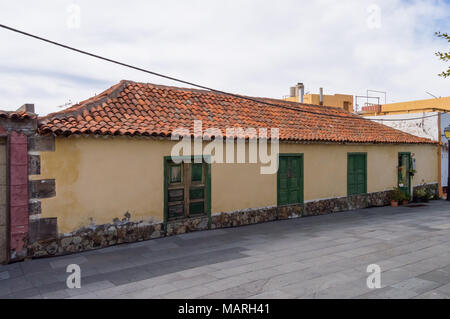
(405, 202)
(394, 203)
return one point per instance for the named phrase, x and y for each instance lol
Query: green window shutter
(283, 188)
(197, 208)
(290, 179)
(356, 174)
(350, 175)
(197, 172)
(187, 190)
(197, 193)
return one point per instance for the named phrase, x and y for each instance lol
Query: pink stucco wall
(18, 170)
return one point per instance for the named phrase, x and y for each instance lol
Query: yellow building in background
(344, 101)
(418, 106)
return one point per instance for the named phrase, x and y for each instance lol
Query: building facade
(106, 173)
(425, 118)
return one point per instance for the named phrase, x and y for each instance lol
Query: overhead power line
(191, 83)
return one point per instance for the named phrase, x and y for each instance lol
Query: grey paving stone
(89, 295)
(88, 288)
(345, 290)
(389, 293)
(4, 275)
(65, 261)
(230, 293)
(441, 275)
(445, 289)
(59, 294)
(26, 293)
(119, 290)
(152, 292)
(274, 294)
(193, 281)
(189, 293)
(311, 286)
(319, 257)
(433, 294)
(417, 285)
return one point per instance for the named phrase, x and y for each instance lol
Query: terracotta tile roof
(130, 108)
(19, 115)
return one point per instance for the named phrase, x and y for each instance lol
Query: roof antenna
(431, 95)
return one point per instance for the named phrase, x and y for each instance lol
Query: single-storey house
(103, 171)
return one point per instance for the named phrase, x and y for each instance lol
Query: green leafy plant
(430, 194)
(397, 195)
(420, 193)
(444, 56)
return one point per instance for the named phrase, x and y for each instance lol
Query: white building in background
(425, 124)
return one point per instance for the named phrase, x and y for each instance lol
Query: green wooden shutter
(351, 185)
(290, 179)
(356, 174)
(283, 188)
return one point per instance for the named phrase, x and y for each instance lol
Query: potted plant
(396, 196)
(405, 200)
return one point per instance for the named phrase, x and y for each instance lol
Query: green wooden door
(404, 177)
(290, 179)
(356, 173)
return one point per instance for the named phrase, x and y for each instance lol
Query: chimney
(301, 87)
(293, 91)
(29, 108)
(321, 96)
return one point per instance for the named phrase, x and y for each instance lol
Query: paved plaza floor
(314, 257)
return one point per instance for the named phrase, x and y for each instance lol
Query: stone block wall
(126, 231)
(96, 237)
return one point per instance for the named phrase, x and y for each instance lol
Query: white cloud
(252, 47)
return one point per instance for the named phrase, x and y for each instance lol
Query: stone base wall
(186, 225)
(332, 205)
(96, 237)
(244, 217)
(126, 231)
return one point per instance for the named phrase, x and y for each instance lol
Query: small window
(186, 190)
(175, 173)
(356, 173)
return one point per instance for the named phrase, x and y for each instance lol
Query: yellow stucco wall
(103, 178)
(428, 105)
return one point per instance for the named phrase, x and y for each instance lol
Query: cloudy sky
(257, 48)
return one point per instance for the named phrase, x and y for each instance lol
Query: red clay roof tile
(19, 115)
(130, 108)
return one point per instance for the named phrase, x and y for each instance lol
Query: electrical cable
(194, 84)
